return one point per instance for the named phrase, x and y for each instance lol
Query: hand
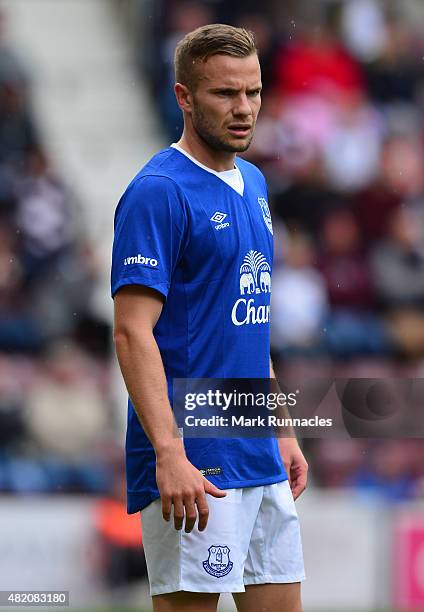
(182, 485)
(295, 464)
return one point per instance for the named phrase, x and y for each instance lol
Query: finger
(297, 492)
(166, 508)
(213, 490)
(203, 510)
(190, 514)
(178, 513)
(299, 485)
(301, 477)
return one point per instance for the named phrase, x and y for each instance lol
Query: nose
(242, 106)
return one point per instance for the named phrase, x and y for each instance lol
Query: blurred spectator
(334, 461)
(66, 409)
(352, 150)
(398, 263)
(18, 323)
(351, 327)
(316, 64)
(396, 73)
(363, 27)
(398, 270)
(17, 132)
(402, 163)
(343, 264)
(121, 559)
(299, 298)
(12, 422)
(45, 214)
(388, 471)
(306, 198)
(399, 179)
(12, 69)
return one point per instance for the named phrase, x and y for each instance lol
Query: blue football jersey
(184, 232)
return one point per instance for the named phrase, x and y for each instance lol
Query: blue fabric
(215, 319)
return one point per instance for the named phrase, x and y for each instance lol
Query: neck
(197, 148)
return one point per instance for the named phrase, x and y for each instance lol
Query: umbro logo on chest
(218, 218)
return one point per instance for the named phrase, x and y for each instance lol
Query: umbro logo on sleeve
(140, 259)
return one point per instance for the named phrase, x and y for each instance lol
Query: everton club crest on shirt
(266, 213)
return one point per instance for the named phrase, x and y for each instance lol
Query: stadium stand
(54, 348)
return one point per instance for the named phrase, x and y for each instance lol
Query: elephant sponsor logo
(265, 281)
(255, 278)
(266, 213)
(247, 284)
(218, 563)
(255, 274)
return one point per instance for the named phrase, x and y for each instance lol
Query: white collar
(233, 178)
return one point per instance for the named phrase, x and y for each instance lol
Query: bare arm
(292, 457)
(137, 310)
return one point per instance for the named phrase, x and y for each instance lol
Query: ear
(184, 97)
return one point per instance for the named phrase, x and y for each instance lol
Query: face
(226, 101)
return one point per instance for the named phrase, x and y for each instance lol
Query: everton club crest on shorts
(218, 563)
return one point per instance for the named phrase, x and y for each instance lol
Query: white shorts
(252, 537)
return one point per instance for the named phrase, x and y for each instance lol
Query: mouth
(239, 129)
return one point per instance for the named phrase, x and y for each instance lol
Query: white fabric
(233, 178)
(256, 529)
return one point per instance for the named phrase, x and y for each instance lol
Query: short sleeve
(150, 229)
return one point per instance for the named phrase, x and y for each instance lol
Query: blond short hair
(214, 39)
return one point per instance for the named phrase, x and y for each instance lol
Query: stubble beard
(204, 129)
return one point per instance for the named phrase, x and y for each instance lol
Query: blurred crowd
(53, 349)
(340, 138)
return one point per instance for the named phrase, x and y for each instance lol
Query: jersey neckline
(223, 176)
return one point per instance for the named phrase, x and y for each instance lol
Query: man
(191, 271)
